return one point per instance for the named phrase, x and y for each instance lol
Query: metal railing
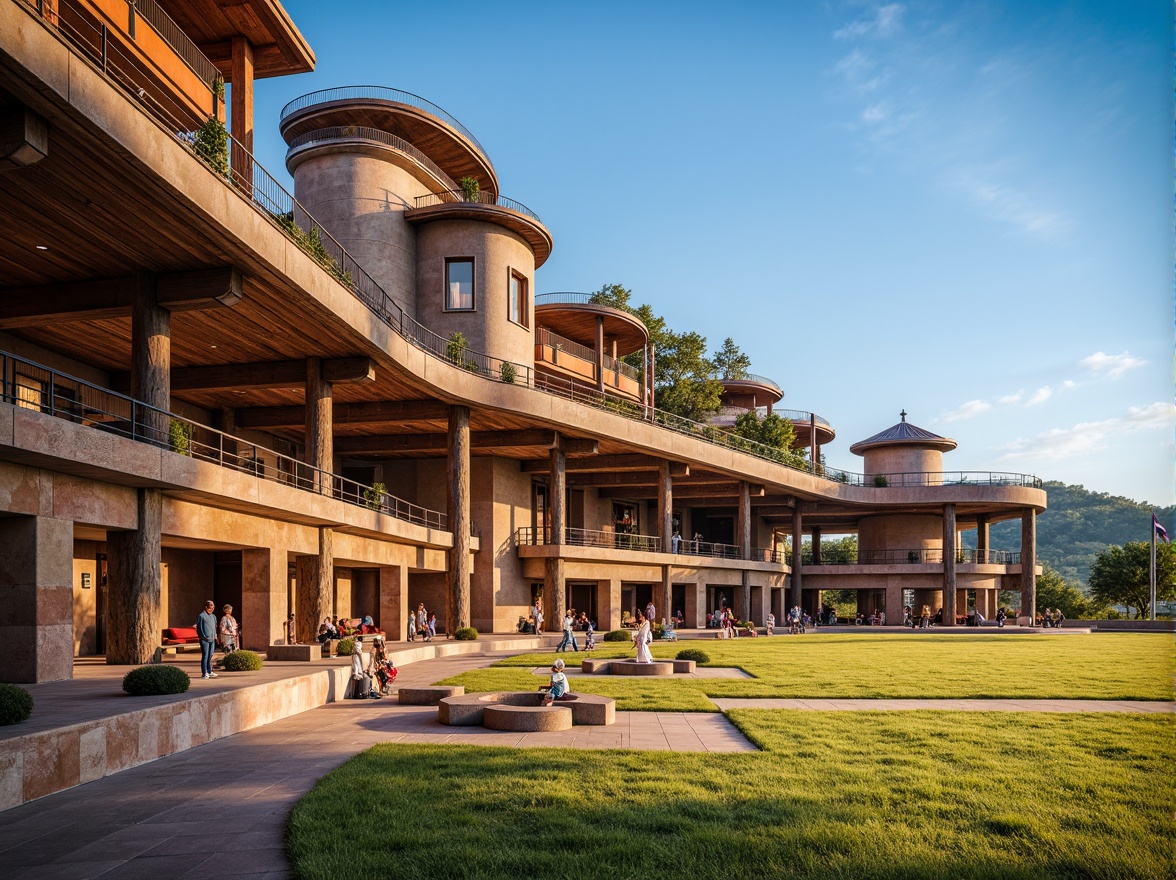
(563, 345)
(355, 132)
(457, 197)
(711, 549)
(792, 415)
(380, 93)
(749, 377)
(566, 298)
(171, 34)
(617, 365)
(33, 386)
(242, 171)
(933, 556)
(528, 536)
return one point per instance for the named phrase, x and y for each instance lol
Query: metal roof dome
(904, 434)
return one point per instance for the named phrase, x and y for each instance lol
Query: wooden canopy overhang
(278, 46)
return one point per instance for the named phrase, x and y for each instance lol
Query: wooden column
(554, 589)
(242, 83)
(665, 529)
(667, 592)
(316, 587)
(1029, 565)
(949, 565)
(150, 360)
(814, 450)
(458, 508)
(982, 538)
(744, 520)
(797, 557)
(599, 359)
(816, 545)
(320, 452)
(651, 378)
(133, 620)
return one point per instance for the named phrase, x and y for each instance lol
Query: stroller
(590, 640)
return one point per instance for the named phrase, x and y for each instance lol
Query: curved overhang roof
(763, 388)
(436, 134)
(278, 46)
(577, 322)
(904, 434)
(529, 227)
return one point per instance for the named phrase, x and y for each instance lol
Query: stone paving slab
(699, 672)
(1131, 706)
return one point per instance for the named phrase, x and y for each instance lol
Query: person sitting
(326, 632)
(939, 617)
(557, 689)
(1058, 617)
(368, 627)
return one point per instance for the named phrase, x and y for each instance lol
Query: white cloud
(860, 72)
(1007, 204)
(1087, 437)
(884, 22)
(1068, 384)
(1113, 365)
(876, 113)
(1041, 395)
(1012, 399)
(968, 410)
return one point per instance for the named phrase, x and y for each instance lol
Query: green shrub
(469, 188)
(506, 372)
(212, 145)
(242, 661)
(373, 496)
(455, 347)
(16, 704)
(693, 654)
(149, 681)
(618, 635)
(881, 481)
(466, 633)
(345, 647)
(180, 437)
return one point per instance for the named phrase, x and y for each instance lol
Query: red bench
(180, 638)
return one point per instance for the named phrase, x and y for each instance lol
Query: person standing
(642, 638)
(650, 612)
(538, 609)
(230, 631)
(675, 541)
(411, 625)
(206, 630)
(569, 634)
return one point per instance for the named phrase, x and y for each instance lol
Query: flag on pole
(1160, 531)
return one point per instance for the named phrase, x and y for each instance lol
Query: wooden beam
(377, 412)
(394, 443)
(610, 464)
(644, 478)
(111, 297)
(270, 374)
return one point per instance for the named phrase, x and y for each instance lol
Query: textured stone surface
(632, 667)
(303, 653)
(427, 696)
(527, 718)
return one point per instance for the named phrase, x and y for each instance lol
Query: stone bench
(427, 696)
(304, 653)
(603, 667)
(588, 667)
(632, 667)
(526, 719)
(469, 710)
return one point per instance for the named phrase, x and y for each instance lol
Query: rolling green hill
(1080, 524)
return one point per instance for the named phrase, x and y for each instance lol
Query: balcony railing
(341, 132)
(933, 556)
(590, 538)
(457, 197)
(562, 345)
(242, 171)
(565, 298)
(792, 415)
(616, 365)
(750, 377)
(33, 386)
(380, 93)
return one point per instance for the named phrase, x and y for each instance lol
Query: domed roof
(904, 434)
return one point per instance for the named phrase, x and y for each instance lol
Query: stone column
(263, 598)
(554, 589)
(894, 601)
(816, 530)
(320, 452)
(667, 595)
(458, 508)
(982, 539)
(797, 537)
(393, 603)
(949, 565)
(744, 521)
(36, 582)
(665, 506)
(1029, 564)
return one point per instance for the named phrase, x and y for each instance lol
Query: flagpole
(1153, 568)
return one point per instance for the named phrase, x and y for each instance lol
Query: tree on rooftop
(772, 431)
(613, 295)
(682, 377)
(730, 362)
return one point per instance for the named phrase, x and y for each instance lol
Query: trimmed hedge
(16, 704)
(149, 681)
(241, 661)
(345, 647)
(466, 633)
(693, 654)
(618, 635)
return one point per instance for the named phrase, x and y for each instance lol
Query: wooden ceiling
(278, 47)
(577, 322)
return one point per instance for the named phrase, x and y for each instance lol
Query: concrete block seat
(632, 667)
(473, 709)
(427, 696)
(301, 653)
(527, 719)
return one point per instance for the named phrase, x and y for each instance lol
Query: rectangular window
(30, 392)
(517, 304)
(459, 284)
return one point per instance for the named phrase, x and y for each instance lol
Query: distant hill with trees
(1080, 524)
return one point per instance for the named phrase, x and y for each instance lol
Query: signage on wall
(85, 580)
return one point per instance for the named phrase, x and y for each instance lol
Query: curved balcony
(557, 355)
(931, 556)
(420, 122)
(802, 422)
(309, 143)
(489, 207)
(574, 316)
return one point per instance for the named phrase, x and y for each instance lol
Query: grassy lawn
(1118, 666)
(838, 795)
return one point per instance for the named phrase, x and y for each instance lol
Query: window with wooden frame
(459, 284)
(30, 392)
(516, 307)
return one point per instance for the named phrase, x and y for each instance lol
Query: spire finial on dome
(903, 414)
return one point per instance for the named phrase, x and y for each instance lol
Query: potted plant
(470, 188)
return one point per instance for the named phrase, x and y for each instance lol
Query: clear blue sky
(963, 210)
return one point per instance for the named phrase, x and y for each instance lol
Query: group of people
(421, 623)
(1051, 619)
(573, 623)
(225, 634)
(341, 628)
(378, 669)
